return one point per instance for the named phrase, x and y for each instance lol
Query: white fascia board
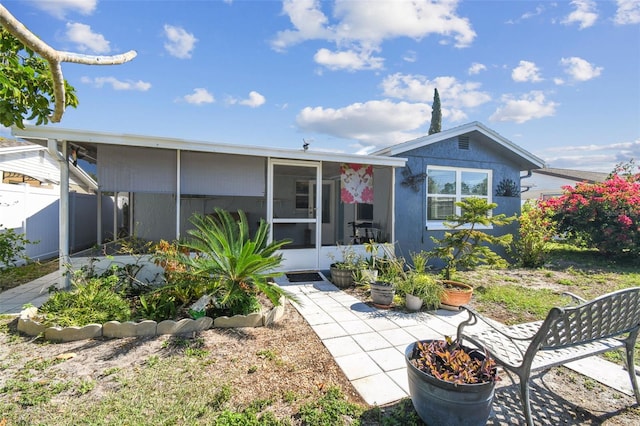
(44, 132)
(16, 149)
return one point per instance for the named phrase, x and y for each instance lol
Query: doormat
(298, 277)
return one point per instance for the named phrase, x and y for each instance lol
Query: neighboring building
(319, 200)
(30, 198)
(548, 182)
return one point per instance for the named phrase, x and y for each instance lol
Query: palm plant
(244, 266)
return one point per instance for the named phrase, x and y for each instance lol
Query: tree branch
(55, 58)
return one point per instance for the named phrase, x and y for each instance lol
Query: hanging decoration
(411, 180)
(356, 183)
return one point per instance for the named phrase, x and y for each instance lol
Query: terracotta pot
(455, 294)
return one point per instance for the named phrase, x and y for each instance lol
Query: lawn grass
(13, 277)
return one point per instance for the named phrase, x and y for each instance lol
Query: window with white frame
(448, 185)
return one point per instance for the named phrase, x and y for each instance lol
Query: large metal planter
(382, 293)
(444, 403)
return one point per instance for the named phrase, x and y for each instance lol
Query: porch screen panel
(136, 169)
(204, 173)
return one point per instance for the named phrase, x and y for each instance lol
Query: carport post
(63, 219)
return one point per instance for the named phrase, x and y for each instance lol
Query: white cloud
(349, 60)
(378, 123)
(199, 96)
(527, 15)
(476, 68)
(180, 42)
(526, 71)
(86, 39)
(529, 106)
(254, 100)
(453, 93)
(585, 14)
(592, 157)
(116, 84)
(628, 12)
(579, 69)
(60, 8)
(361, 27)
(411, 56)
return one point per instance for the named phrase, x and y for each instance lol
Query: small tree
(436, 114)
(606, 215)
(465, 246)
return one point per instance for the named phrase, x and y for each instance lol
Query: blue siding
(410, 206)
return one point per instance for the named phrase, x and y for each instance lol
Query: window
(447, 185)
(302, 194)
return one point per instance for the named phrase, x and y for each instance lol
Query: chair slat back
(606, 316)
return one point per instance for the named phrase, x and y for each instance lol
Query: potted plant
(466, 246)
(450, 384)
(391, 271)
(342, 271)
(368, 271)
(420, 287)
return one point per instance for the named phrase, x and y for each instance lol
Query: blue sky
(561, 79)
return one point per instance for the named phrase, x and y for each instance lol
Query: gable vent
(463, 142)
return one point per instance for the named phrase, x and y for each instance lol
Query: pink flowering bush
(606, 215)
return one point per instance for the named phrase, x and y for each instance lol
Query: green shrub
(90, 301)
(243, 265)
(535, 234)
(12, 247)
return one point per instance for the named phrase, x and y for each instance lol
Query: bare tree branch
(55, 57)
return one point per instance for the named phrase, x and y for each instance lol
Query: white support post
(99, 218)
(115, 215)
(178, 194)
(63, 219)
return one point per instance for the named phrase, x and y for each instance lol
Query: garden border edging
(117, 329)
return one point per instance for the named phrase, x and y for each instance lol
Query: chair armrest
(575, 298)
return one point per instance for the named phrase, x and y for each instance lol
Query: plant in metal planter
(342, 271)
(450, 384)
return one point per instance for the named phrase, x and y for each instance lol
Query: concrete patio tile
(400, 377)
(380, 324)
(356, 327)
(388, 359)
(342, 315)
(357, 366)
(371, 341)
(379, 389)
(422, 332)
(403, 320)
(328, 331)
(341, 346)
(397, 337)
(318, 318)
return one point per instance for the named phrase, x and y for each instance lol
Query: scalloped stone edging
(116, 329)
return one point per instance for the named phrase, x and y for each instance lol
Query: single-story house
(319, 200)
(548, 182)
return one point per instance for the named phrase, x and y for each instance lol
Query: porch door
(328, 216)
(293, 210)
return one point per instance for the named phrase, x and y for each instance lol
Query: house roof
(9, 146)
(526, 159)
(87, 141)
(575, 175)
